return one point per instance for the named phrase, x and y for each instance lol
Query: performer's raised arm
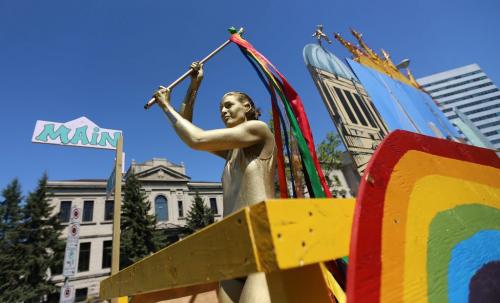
(240, 131)
(186, 109)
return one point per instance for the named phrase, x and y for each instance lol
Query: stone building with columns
(168, 188)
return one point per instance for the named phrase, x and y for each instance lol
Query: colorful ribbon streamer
(299, 124)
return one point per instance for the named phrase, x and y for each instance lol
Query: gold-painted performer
(248, 147)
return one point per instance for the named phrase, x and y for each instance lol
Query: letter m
(48, 131)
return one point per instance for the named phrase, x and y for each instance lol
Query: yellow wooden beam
(270, 236)
(220, 251)
(293, 233)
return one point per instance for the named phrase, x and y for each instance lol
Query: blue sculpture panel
(402, 106)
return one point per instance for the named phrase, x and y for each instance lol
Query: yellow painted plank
(304, 231)
(221, 251)
(270, 236)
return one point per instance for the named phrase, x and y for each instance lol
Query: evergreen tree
(138, 235)
(42, 247)
(199, 214)
(11, 264)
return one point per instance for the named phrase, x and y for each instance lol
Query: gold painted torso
(248, 178)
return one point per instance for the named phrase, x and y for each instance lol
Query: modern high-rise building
(470, 100)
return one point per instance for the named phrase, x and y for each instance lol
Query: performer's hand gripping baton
(186, 74)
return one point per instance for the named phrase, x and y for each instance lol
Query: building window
(213, 205)
(494, 123)
(463, 90)
(453, 78)
(107, 248)
(345, 105)
(88, 211)
(355, 107)
(64, 211)
(180, 206)
(81, 294)
(108, 210)
(470, 97)
(489, 116)
(495, 132)
(84, 257)
(365, 110)
(161, 210)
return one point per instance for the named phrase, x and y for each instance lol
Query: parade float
(425, 226)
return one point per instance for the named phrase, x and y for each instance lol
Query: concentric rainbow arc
(427, 224)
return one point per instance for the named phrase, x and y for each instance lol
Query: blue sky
(60, 60)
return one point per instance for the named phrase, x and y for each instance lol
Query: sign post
(115, 255)
(82, 132)
(71, 255)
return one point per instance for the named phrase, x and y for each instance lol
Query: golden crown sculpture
(365, 55)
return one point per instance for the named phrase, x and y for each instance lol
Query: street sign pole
(115, 255)
(71, 255)
(85, 133)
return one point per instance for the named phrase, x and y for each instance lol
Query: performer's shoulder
(256, 123)
(258, 126)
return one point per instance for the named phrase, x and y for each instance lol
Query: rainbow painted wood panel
(427, 224)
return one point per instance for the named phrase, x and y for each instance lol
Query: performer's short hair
(254, 112)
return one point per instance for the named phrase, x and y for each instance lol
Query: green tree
(11, 264)
(199, 214)
(138, 235)
(330, 157)
(42, 247)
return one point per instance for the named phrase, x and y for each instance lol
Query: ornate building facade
(351, 109)
(168, 188)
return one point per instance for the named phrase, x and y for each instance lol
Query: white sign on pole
(71, 253)
(67, 294)
(70, 259)
(110, 185)
(79, 132)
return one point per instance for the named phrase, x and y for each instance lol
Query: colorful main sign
(79, 132)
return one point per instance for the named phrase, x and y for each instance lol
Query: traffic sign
(67, 294)
(71, 253)
(70, 259)
(73, 232)
(76, 215)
